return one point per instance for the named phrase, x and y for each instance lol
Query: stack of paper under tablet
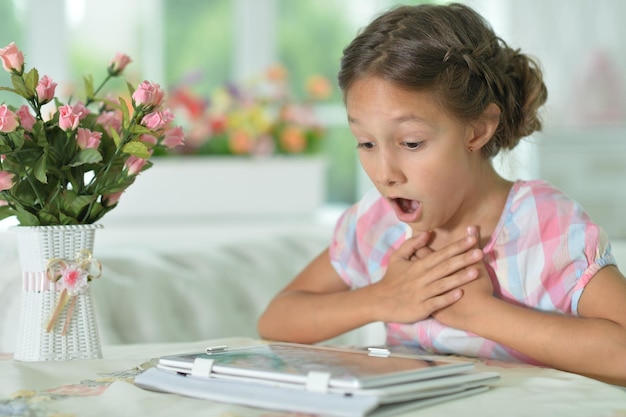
(316, 379)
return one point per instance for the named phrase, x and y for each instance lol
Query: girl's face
(417, 155)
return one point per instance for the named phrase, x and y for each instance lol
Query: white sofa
(188, 282)
(181, 282)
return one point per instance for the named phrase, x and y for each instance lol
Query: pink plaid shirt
(543, 252)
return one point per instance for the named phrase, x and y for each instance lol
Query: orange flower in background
(293, 139)
(319, 87)
(240, 143)
(276, 72)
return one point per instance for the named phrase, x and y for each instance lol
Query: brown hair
(453, 52)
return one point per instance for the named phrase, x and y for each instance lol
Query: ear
(484, 127)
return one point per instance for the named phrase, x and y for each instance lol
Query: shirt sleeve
(597, 255)
(344, 254)
(576, 248)
(547, 250)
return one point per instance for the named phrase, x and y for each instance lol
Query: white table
(104, 388)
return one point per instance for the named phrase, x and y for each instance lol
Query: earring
(470, 149)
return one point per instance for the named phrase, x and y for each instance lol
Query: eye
(412, 145)
(365, 145)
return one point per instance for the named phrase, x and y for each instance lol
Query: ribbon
(72, 278)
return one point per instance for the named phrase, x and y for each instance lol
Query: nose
(388, 173)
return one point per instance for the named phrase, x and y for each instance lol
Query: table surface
(104, 387)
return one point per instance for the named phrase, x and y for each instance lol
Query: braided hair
(452, 52)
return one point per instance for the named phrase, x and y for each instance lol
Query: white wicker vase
(79, 338)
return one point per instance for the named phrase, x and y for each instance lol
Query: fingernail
(471, 231)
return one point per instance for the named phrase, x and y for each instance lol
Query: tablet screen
(348, 368)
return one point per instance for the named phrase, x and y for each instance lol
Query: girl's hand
(420, 281)
(474, 294)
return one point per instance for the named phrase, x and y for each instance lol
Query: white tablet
(338, 368)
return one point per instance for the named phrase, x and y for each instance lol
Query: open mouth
(406, 206)
(407, 211)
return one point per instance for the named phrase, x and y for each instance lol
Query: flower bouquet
(62, 170)
(72, 166)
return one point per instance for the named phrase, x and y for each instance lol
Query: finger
(411, 245)
(425, 251)
(422, 252)
(455, 256)
(444, 300)
(456, 280)
(475, 232)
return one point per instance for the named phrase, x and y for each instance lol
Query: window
(11, 30)
(202, 43)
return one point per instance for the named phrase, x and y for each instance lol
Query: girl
(451, 256)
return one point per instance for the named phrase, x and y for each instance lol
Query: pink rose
(68, 120)
(134, 164)
(148, 94)
(6, 180)
(12, 58)
(45, 90)
(168, 116)
(118, 63)
(148, 139)
(27, 120)
(109, 200)
(8, 120)
(154, 120)
(86, 139)
(80, 110)
(110, 120)
(174, 137)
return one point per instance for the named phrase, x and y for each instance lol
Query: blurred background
(197, 49)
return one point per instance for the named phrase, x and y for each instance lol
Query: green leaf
(86, 156)
(31, 80)
(139, 129)
(6, 211)
(131, 89)
(65, 220)
(26, 218)
(20, 87)
(39, 134)
(88, 80)
(17, 138)
(96, 211)
(5, 144)
(50, 213)
(39, 169)
(137, 148)
(77, 205)
(24, 194)
(9, 89)
(125, 114)
(116, 138)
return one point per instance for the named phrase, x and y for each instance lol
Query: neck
(482, 207)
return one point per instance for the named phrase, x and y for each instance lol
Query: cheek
(440, 177)
(368, 163)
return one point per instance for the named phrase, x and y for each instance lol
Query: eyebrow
(399, 119)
